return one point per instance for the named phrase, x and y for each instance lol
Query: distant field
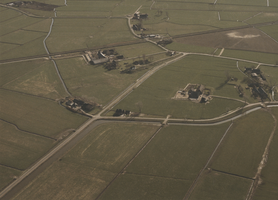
(264, 17)
(90, 165)
(155, 93)
(250, 138)
(177, 148)
(271, 30)
(218, 186)
(85, 33)
(7, 176)
(93, 81)
(244, 2)
(268, 188)
(243, 39)
(16, 23)
(138, 50)
(173, 29)
(42, 80)
(31, 48)
(177, 46)
(7, 14)
(37, 115)
(137, 187)
(20, 149)
(253, 56)
(166, 168)
(234, 16)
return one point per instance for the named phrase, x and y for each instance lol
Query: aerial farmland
(138, 99)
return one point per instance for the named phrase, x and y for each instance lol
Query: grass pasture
(155, 93)
(41, 116)
(177, 46)
(42, 80)
(178, 152)
(218, 186)
(138, 50)
(91, 164)
(250, 138)
(86, 33)
(271, 30)
(252, 56)
(16, 23)
(136, 187)
(7, 176)
(94, 81)
(20, 149)
(87, 8)
(244, 3)
(233, 39)
(264, 17)
(268, 188)
(31, 48)
(8, 14)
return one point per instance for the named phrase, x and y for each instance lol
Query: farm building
(100, 61)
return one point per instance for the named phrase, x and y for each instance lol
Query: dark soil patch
(244, 39)
(32, 5)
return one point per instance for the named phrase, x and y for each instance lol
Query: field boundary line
(55, 64)
(27, 94)
(123, 170)
(231, 174)
(16, 127)
(150, 175)
(192, 187)
(7, 166)
(21, 11)
(263, 162)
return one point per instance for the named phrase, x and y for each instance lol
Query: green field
(218, 186)
(177, 148)
(7, 176)
(253, 56)
(242, 149)
(90, 165)
(87, 33)
(20, 149)
(155, 93)
(34, 77)
(176, 46)
(135, 50)
(137, 187)
(93, 81)
(41, 116)
(271, 30)
(268, 188)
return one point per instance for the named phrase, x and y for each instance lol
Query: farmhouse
(137, 15)
(194, 92)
